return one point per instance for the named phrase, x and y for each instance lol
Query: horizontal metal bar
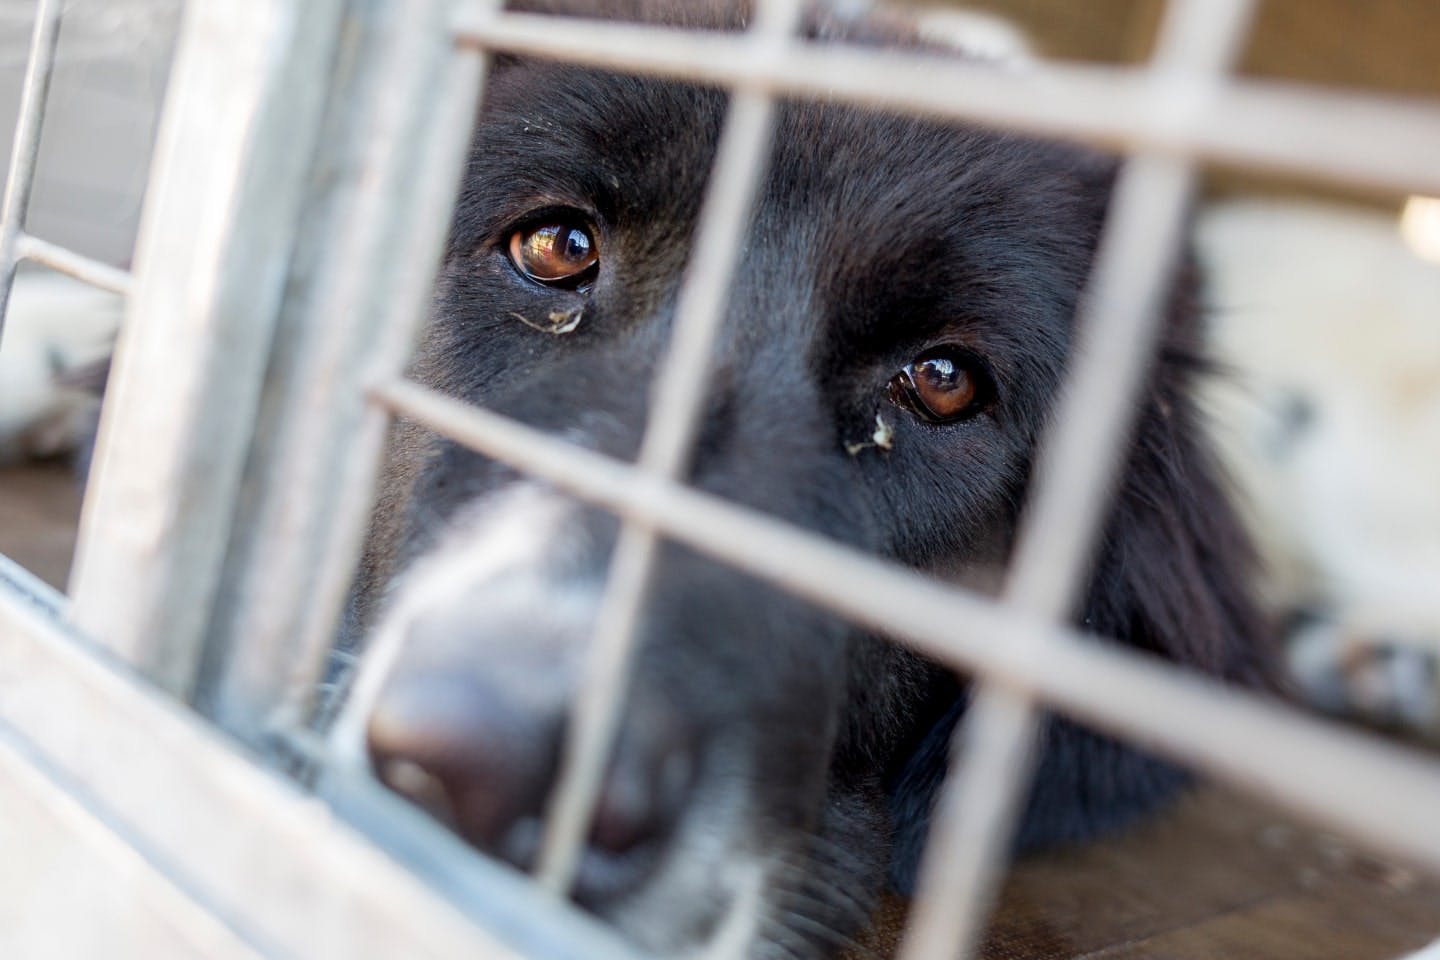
(1364, 140)
(76, 265)
(265, 860)
(1380, 793)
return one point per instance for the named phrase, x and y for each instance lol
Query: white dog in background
(1330, 417)
(58, 333)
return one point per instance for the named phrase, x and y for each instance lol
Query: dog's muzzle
(464, 699)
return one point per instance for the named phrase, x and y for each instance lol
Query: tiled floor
(39, 509)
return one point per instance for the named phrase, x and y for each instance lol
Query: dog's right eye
(560, 254)
(943, 385)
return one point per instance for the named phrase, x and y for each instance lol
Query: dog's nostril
(463, 752)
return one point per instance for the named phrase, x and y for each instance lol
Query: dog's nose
(474, 758)
(485, 761)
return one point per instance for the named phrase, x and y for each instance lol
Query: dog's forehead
(629, 146)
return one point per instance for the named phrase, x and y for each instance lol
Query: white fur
(513, 555)
(513, 534)
(55, 325)
(1330, 306)
(979, 36)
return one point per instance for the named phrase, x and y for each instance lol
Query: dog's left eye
(942, 385)
(555, 254)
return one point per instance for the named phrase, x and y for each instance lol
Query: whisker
(809, 878)
(825, 932)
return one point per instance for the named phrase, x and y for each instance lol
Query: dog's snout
(485, 760)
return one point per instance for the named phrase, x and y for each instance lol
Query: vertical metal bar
(1081, 456)
(21, 178)
(676, 404)
(223, 208)
(976, 813)
(397, 133)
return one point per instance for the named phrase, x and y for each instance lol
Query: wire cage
(306, 168)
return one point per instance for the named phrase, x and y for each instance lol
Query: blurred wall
(100, 124)
(1390, 46)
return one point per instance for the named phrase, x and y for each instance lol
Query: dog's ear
(1172, 576)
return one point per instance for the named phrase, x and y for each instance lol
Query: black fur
(876, 238)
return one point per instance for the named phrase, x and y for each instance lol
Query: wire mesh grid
(1181, 109)
(15, 244)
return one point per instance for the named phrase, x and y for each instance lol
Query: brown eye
(942, 385)
(557, 254)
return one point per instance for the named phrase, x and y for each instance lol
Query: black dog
(894, 340)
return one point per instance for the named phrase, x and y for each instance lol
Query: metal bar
(991, 755)
(677, 401)
(1381, 794)
(270, 864)
(978, 807)
(393, 151)
(76, 265)
(1348, 138)
(507, 904)
(21, 178)
(1119, 322)
(222, 211)
(1080, 457)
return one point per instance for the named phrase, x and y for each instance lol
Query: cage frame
(197, 472)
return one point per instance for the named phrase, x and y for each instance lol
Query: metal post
(396, 139)
(227, 190)
(1120, 322)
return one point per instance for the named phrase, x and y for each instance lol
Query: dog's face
(894, 336)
